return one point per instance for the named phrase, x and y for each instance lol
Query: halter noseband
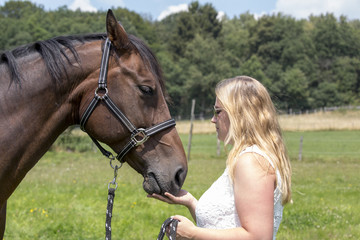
(138, 135)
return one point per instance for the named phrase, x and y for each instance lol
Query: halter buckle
(139, 137)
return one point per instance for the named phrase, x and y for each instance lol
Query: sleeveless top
(216, 207)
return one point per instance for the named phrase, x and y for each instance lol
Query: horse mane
(51, 49)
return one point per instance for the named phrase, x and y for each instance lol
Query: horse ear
(115, 32)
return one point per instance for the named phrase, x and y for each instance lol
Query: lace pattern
(216, 207)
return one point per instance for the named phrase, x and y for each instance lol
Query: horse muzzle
(159, 183)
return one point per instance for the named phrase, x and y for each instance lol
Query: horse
(109, 83)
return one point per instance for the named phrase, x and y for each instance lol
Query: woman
(246, 202)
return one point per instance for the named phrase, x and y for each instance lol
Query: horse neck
(34, 114)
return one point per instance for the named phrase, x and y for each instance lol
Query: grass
(324, 145)
(325, 202)
(65, 195)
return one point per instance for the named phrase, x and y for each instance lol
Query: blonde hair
(253, 120)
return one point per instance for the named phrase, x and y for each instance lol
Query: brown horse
(47, 86)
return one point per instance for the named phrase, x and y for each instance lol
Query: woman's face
(221, 121)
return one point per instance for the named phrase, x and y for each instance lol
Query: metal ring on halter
(113, 183)
(115, 166)
(140, 133)
(103, 95)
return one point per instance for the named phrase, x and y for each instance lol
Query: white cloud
(83, 5)
(106, 4)
(171, 10)
(304, 8)
(220, 15)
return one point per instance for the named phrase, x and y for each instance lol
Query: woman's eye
(146, 90)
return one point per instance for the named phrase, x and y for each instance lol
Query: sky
(158, 9)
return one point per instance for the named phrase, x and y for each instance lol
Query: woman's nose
(213, 119)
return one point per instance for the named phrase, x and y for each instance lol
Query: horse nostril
(180, 177)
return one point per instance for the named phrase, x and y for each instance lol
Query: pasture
(65, 195)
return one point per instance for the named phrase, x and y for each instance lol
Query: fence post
(191, 127)
(300, 148)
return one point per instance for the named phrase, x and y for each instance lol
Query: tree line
(305, 64)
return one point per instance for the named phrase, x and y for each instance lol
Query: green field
(65, 195)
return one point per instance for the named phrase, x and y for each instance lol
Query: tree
(346, 74)
(326, 37)
(205, 65)
(326, 95)
(294, 87)
(198, 20)
(235, 35)
(253, 68)
(19, 9)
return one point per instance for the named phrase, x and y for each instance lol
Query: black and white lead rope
(172, 224)
(109, 209)
(111, 195)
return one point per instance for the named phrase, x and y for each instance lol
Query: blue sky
(158, 9)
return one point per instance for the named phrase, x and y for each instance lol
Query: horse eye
(146, 90)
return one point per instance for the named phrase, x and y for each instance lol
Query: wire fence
(339, 146)
(208, 114)
(323, 109)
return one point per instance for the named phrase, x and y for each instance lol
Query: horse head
(135, 89)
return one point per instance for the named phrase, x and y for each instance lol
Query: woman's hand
(183, 198)
(185, 228)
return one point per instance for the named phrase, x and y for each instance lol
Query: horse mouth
(159, 183)
(151, 185)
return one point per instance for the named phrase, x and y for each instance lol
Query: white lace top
(216, 207)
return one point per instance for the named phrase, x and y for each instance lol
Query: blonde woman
(247, 201)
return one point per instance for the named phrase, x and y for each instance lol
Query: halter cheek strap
(138, 135)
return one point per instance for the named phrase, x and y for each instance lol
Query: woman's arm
(254, 185)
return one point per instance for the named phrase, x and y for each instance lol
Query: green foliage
(305, 64)
(73, 143)
(199, 20)
(293, 89)
(65, 195)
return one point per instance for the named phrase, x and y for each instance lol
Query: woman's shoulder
(255, 160)
(253, 172)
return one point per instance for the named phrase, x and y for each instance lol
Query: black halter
(138, 135)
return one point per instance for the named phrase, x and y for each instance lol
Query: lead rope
(172, 223)
(111, 196)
